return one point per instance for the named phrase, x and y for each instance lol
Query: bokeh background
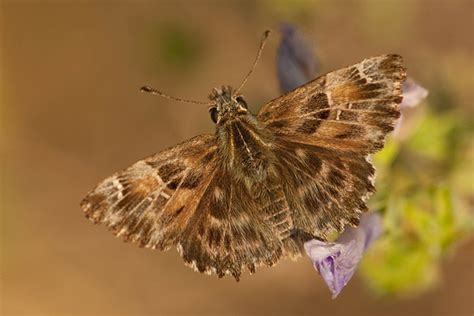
(71, 114)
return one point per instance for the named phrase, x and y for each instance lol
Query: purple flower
(337, 261)
(296, 63)
(413, 94)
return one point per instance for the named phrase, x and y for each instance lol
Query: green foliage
(431, 138)
(425, 204)
(177, 47)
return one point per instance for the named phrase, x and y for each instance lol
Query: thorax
(245, 147)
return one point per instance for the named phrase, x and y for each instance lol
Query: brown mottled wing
(237, 227)
(153, 201)
(325, 188)
(325, 131)
(185, 196)
(351, 109)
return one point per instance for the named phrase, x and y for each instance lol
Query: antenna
(262, 45)
(164, 95)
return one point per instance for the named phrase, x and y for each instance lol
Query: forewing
(152, 201)
(351, 109)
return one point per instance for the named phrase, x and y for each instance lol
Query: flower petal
(296, 63)
(413, 94)
(337, 261)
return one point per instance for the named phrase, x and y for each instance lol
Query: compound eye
(213, 112)
(241, 100)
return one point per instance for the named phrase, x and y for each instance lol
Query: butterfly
(261, 186)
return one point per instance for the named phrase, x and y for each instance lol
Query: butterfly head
(226, 104)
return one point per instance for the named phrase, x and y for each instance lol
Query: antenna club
(146, 89)
(266, 34)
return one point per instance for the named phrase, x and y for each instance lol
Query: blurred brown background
(71, 114)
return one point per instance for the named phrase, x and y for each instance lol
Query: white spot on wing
(300, 152)
(179, 248)
(113, 219)
(119, 187)
(165, 195)
(218, 193)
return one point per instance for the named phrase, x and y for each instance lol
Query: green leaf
(399, 267)
(176, 46)
(385, 157)
(431, 138)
